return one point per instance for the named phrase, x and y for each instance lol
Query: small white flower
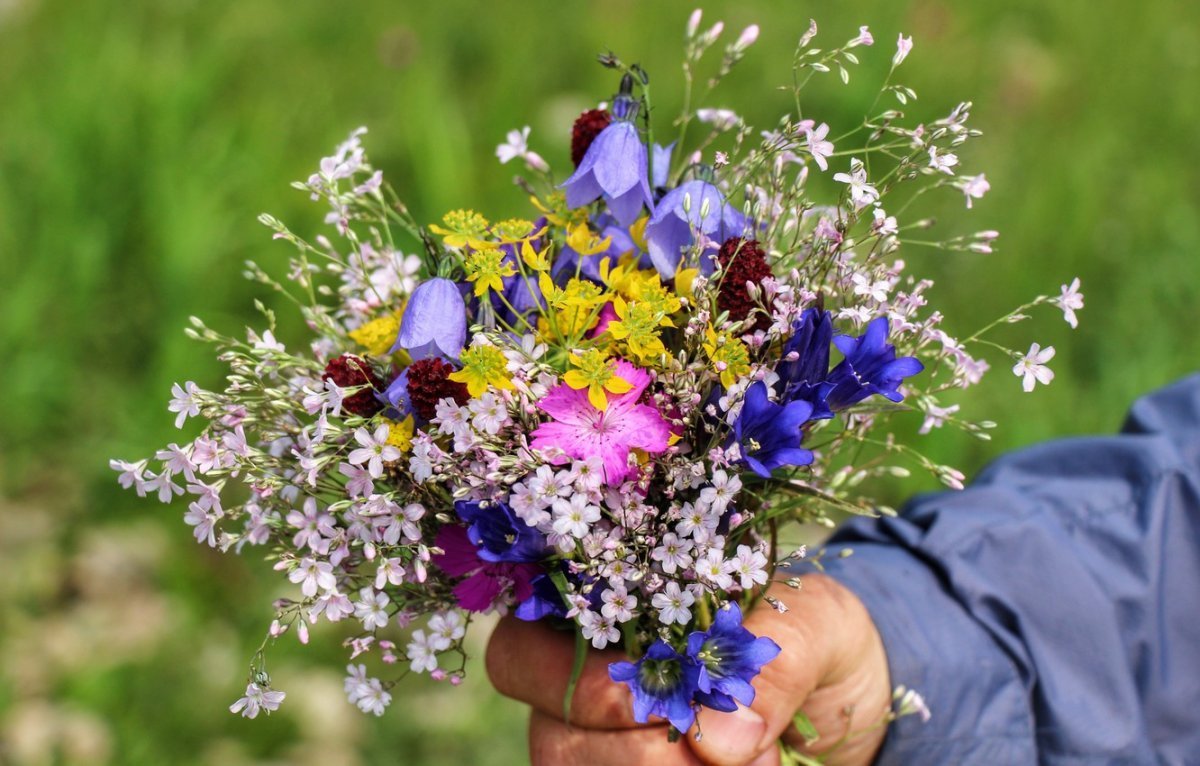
(574, 516)
(599, 630)
(973, 187)
(903, 46)
(185, 402)
(445, 628)
(673, 553)
(618, 604)
(672, 604)
(750, 566)
(490, 413)
(375, 451)
(390, 571)
(862, 193)
(695, 521)
(935, 417)
(885, 225)
(818, 147)
(422, 652)
(517, 145)
(374, 699)
(720, 119)
(864, 38)
(1070, 301)
(371, 609)
(257, 698)
(721, 491)
(942, 163)
(313, 574)
(1032, 367)
(712, 568)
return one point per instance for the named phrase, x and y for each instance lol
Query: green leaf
(805, 727)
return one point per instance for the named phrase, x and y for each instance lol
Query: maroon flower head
(587, 126)
(429, 382)
(348, 371)
(742, 261)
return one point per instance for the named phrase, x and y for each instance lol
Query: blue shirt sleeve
(1049, 613)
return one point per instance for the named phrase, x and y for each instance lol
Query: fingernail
(734, 736)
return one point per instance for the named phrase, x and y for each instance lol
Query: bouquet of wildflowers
(605, 414)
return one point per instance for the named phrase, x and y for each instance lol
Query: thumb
(808, 635)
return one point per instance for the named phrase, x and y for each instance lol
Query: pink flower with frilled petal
(581, 431)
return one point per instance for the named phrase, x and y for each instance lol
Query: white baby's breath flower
(1031, 366)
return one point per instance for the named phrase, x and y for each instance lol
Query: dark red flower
(587, 126)
(348, 371)
(429, 382)
(742, 261)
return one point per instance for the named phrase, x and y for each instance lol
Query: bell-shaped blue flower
(395, 396)
(804, 371)
(870, 367)
(660, 164)
(768, 433)
(614, 168)
(729, 657)
(499, 534)
(669, 232)
(434, 321)
(663, 682)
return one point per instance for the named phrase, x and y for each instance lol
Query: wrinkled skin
(832, 661)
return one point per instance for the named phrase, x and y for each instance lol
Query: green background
(139, 140)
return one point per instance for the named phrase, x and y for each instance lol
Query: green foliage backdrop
(138, 141)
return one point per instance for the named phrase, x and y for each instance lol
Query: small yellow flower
(487, 269)
(556, 211)
(684, 281)
(462, 227)
(483, 367)
(637, 232)
(730, 357)
(533, 259)
(598, 374)
(514, 230)
(638, 325)
(400, 434)
(584, 241)
(378, 335)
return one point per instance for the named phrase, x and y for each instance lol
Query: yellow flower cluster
(728, 354)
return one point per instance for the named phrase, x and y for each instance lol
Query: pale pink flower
(574, 516)
(973, 188)
(818, 146)
(673, 553)
(375, 450)
(903, 47)
(935, 417)
(257, 698)
(184, 401)
(618, 604)
(864, 38)
(517, 145)
(313, 574)
(862, 193)
(942, 163)
(750, 566)
(371, 609)
(747, 37)
(1032, 367)
(672, 604)
(1070, 301)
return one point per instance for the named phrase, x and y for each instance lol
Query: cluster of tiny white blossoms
(545, 418)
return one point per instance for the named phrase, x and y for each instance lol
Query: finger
(532, 663)
(803, 634)
(553, 743)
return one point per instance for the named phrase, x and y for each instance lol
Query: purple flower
(729, 656)
(434, 321)
(396, 397)
(769, 434)
(804, 377)
(615, 168)
(484, 582)
(660, 164)
(499, 534)
(670, 229)
(663, 682)
(543, 600)
(870, 367)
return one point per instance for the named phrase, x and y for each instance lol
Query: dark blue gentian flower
(806, 377)
(499, 534)
(768, 433)
(434, 321)
(614, 167)
(663, 682)
(669, 231)
(870, 367)
(729, 656)
(544, 601)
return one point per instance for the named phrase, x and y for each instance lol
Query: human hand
(833, 667)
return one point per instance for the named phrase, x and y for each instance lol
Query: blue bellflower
(499, 534)
(870, 367)
(396, 397)
(729, 657)
(669, 231)
(768, 433)
(614, 168)
(660, 164)
(663, 682)
(806, 377)
(434, 321)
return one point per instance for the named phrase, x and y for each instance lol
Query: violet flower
(434, 321)
(769, 434)
(670, 230)
(870, 367)
(729, 657)
(663, 682)
(805, 378)
(614, 168)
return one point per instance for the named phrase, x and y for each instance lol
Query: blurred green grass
(139, 140)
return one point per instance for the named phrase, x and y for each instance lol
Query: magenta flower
(582, 432)
(485, 581)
